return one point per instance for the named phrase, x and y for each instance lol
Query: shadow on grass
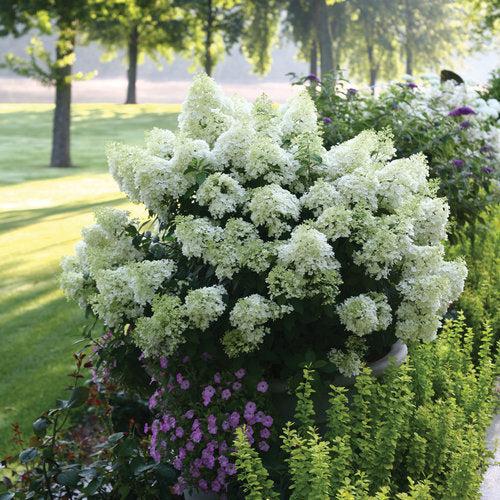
(15, 219)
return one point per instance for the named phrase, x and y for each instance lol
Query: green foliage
(254, 477)
(56, 465)
(417, 433)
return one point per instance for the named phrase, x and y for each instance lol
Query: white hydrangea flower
(299, 116)
(106, 243)
(195, 235)
(321, 195)
(364, 314)
(162, 333)
(231, 148)
(160, 142)
(269, 161)
(369, 148)
(187, 153)
(123, 292)
(265, 118)
(206, 112)
(204, 305)
(359, 188)
(272, 206)
(221, 194)
(75, 282)
(430, 220)
(308, 251)
(399, 179)
(348, 363)
(335, 222)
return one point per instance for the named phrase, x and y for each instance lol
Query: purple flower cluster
(462, 111)
(197, 423)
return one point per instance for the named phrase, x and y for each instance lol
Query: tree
(215, 26)
(61, 18)
(372, 38)
(430, 31)
(142, 27)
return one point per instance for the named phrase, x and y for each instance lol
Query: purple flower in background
(312, 78)
(231, 469)
(461, 111)
(225, 425)
(179, 378)
(146, 428)
(351, 91)
(240, 373)
(212, 424)
(465, 124)
(223, 447)
(185, 359)
(203, 485)
(189, 414)
(179, 432)
(485, 149)
(458, 162)
(163, 362)
(177, 463)
(226, 394)
(185, 385)
(327, 120)
(488, 170)
(263, 446)
(412, 85)
(217, 378)
(223, 461)
(236, 386)
(262, 386)
(189, 446)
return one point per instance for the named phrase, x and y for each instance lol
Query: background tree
(430, 32)
(260, 32)
(62, 18)
(214, 26)
(141, 27)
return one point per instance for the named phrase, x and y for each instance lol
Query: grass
(42, 211)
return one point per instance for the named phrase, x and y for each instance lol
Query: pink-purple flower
(262, 386)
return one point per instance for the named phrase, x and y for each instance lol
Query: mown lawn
(42, 211)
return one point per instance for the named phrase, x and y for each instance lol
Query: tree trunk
(133, 53)
(337, 27)
(322, 27)
(60, 156)
(208, 39)
(313, 60)
(409, 38)
(372, 67)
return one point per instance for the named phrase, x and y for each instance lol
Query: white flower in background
(430, 220)
(221, 194)
(273, 207)
(365, 314)
(204, 305)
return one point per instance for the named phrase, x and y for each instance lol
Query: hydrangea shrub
(263, 244)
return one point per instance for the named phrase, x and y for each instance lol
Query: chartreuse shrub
(419, 432)
(455, 126)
